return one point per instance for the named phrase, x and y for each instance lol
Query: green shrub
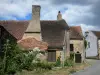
(15, 59)
(69, 62)
(11, 67)
(44, 65)
(58, 62)
(72, 55)
(1, 66)
(8, 65)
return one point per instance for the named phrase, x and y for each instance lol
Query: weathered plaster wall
(58, 54)
(92, 50)
(78, 46)
(61, 54)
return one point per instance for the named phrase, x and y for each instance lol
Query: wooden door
(51, 56)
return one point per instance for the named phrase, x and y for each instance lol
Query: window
(86, 34)
(0, 31)
(71, 47)
(51, 56)
(88, 44)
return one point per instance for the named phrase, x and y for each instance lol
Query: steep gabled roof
(97, 33)
(76, 33)
(15, 28)
(53, 32)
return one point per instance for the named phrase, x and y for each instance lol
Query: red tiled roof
(52, 31)
(15, 28)
(76, 32)
(31, 42)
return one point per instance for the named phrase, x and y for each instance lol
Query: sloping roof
(76, 32)
(15, 28)
(53, 32)
(97, 33)
(31, 43)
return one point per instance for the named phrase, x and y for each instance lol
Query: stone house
(77, 41)
(55, 33)
(93, 44)
(59, 36)
(58, 30)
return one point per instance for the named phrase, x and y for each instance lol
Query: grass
(57, 71)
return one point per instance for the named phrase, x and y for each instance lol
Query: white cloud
(17, 8)
(77, 14)
(87, 27)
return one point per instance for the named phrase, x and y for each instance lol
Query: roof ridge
(53, 20)
(95, 31)
(13, 20)
(74, 26)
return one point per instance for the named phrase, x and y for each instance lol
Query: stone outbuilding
(77, 41)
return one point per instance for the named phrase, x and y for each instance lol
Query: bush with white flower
(36, 53)
(36, 49)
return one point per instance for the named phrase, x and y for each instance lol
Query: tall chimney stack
(59, 16)
(34, 28)
(34, 25)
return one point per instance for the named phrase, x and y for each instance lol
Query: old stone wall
(99, 49)
(78, 47)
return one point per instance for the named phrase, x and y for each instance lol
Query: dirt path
(92, 70)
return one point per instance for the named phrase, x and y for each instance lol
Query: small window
(88, 44)
(0, 31)
(71, 47)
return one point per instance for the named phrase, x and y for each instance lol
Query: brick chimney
(34, 25)
(59, 16)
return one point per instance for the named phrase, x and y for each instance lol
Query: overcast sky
(85, 13)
